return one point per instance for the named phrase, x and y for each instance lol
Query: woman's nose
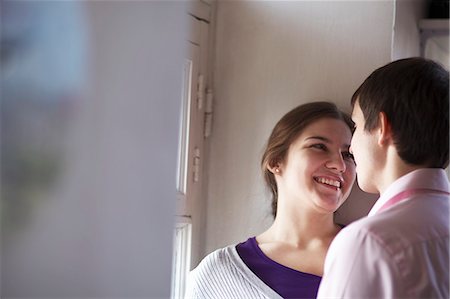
(337, 162)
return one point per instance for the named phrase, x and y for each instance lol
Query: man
(401, 147)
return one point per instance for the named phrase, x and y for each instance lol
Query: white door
(190, 210)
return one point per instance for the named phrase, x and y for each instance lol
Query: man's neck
(395, 168)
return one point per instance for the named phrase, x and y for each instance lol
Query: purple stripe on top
(287, 282)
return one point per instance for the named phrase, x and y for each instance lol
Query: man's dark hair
(414, 95)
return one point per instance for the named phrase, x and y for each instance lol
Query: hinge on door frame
(208, 113)
(200, 91)
(196, 163)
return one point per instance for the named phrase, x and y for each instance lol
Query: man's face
(364, 148)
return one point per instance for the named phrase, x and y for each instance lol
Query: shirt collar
(426, 178)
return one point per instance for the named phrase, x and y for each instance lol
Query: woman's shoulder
(207, 279)
(216, 259)
(223, 274)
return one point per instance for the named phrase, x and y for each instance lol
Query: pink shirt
(401, 250)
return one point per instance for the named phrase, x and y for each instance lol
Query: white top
(401, 251)
(223, 274)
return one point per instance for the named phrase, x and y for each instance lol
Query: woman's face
(318, 170)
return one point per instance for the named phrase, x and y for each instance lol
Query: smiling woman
(321, 136)
(308, 167)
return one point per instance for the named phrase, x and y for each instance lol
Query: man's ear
(384, 130)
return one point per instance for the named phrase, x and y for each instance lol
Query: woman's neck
(301, 230)
(299, 243)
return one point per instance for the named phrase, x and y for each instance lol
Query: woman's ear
(384, 130)
(275, 169)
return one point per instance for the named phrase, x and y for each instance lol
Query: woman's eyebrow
(326, 140)
(319, 138)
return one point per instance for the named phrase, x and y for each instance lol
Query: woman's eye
(348, 156)
(319, 146)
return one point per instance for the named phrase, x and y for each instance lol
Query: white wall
(269, 58)
(406, 36)
(105, 229)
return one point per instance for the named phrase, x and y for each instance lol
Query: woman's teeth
(334, 183)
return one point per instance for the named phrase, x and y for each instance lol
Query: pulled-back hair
(286, 131)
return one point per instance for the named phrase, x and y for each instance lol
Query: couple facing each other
(399, 136)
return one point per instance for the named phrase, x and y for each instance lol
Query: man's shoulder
(411, 214)
(362, 226)
(367, 231)
(400, 227)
